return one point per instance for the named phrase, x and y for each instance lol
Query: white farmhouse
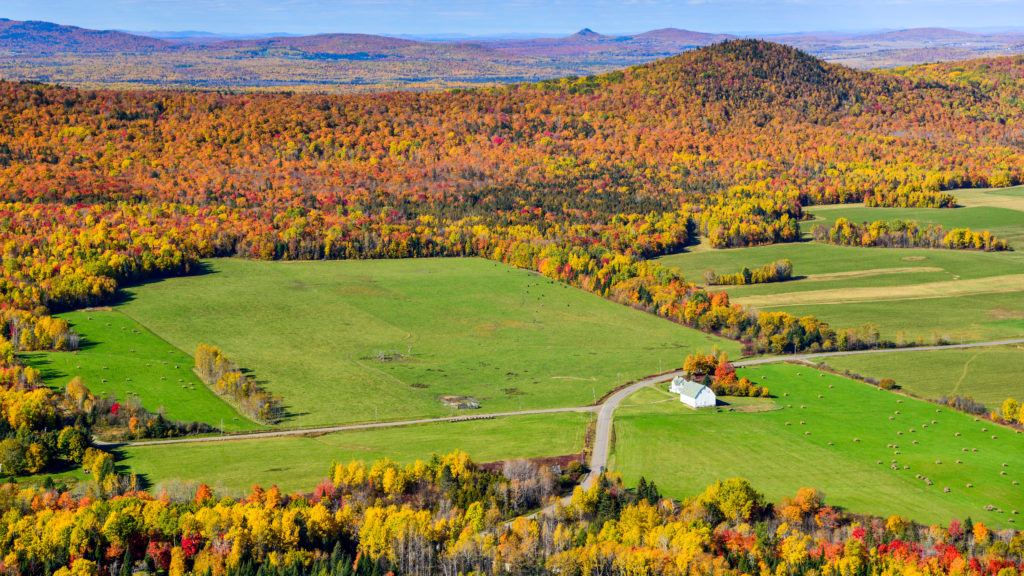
(691, 393)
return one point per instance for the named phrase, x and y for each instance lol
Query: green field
(925, 294)
(299, 463)
(685, 450)
(357, 340)
(989, 375)
(121, 359)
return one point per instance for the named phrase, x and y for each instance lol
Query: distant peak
(587, 33)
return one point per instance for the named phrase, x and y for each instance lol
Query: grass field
(357, 340)
(121, 359)
(925, 294)
(299, 463)
(989, 375)
(767, 442)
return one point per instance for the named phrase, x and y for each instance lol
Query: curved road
(606, 410)
(602, 440)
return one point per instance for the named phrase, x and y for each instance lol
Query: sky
(497, 17)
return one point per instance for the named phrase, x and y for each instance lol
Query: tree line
(224, 376)
(778, 271)
(448, 516)
(906, 234)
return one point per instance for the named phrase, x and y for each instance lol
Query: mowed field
(989, 375)
(913, 294)
(784, 445)
(299, 463)
(118, 358)
(358, 340)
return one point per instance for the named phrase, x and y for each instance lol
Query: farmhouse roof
(690, 388)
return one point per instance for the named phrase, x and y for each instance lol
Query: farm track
(946, 289)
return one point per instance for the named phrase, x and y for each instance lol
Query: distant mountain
(47, 37)
(586, 42)
(931, 35)
(199, 36)
(364, 62)
(683, 37)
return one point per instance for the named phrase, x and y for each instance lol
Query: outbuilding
(693, 394)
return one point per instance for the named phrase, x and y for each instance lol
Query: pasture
(989, 375)
(355, 341)
(779, 444)
(910, 294)
(118, 358)
(296, 463)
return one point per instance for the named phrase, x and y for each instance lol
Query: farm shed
(691, 393)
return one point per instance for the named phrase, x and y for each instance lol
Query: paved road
(773, 359)
(342, 428)
(602, 439)
(606, 410)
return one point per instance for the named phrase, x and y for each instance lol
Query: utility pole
(374, 413)
(594, 392)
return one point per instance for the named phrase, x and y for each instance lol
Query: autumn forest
(583, 180)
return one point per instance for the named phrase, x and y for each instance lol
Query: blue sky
(488, 17)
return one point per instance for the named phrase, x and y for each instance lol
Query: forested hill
(737, 114)
(580, 179)
(36, 37)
